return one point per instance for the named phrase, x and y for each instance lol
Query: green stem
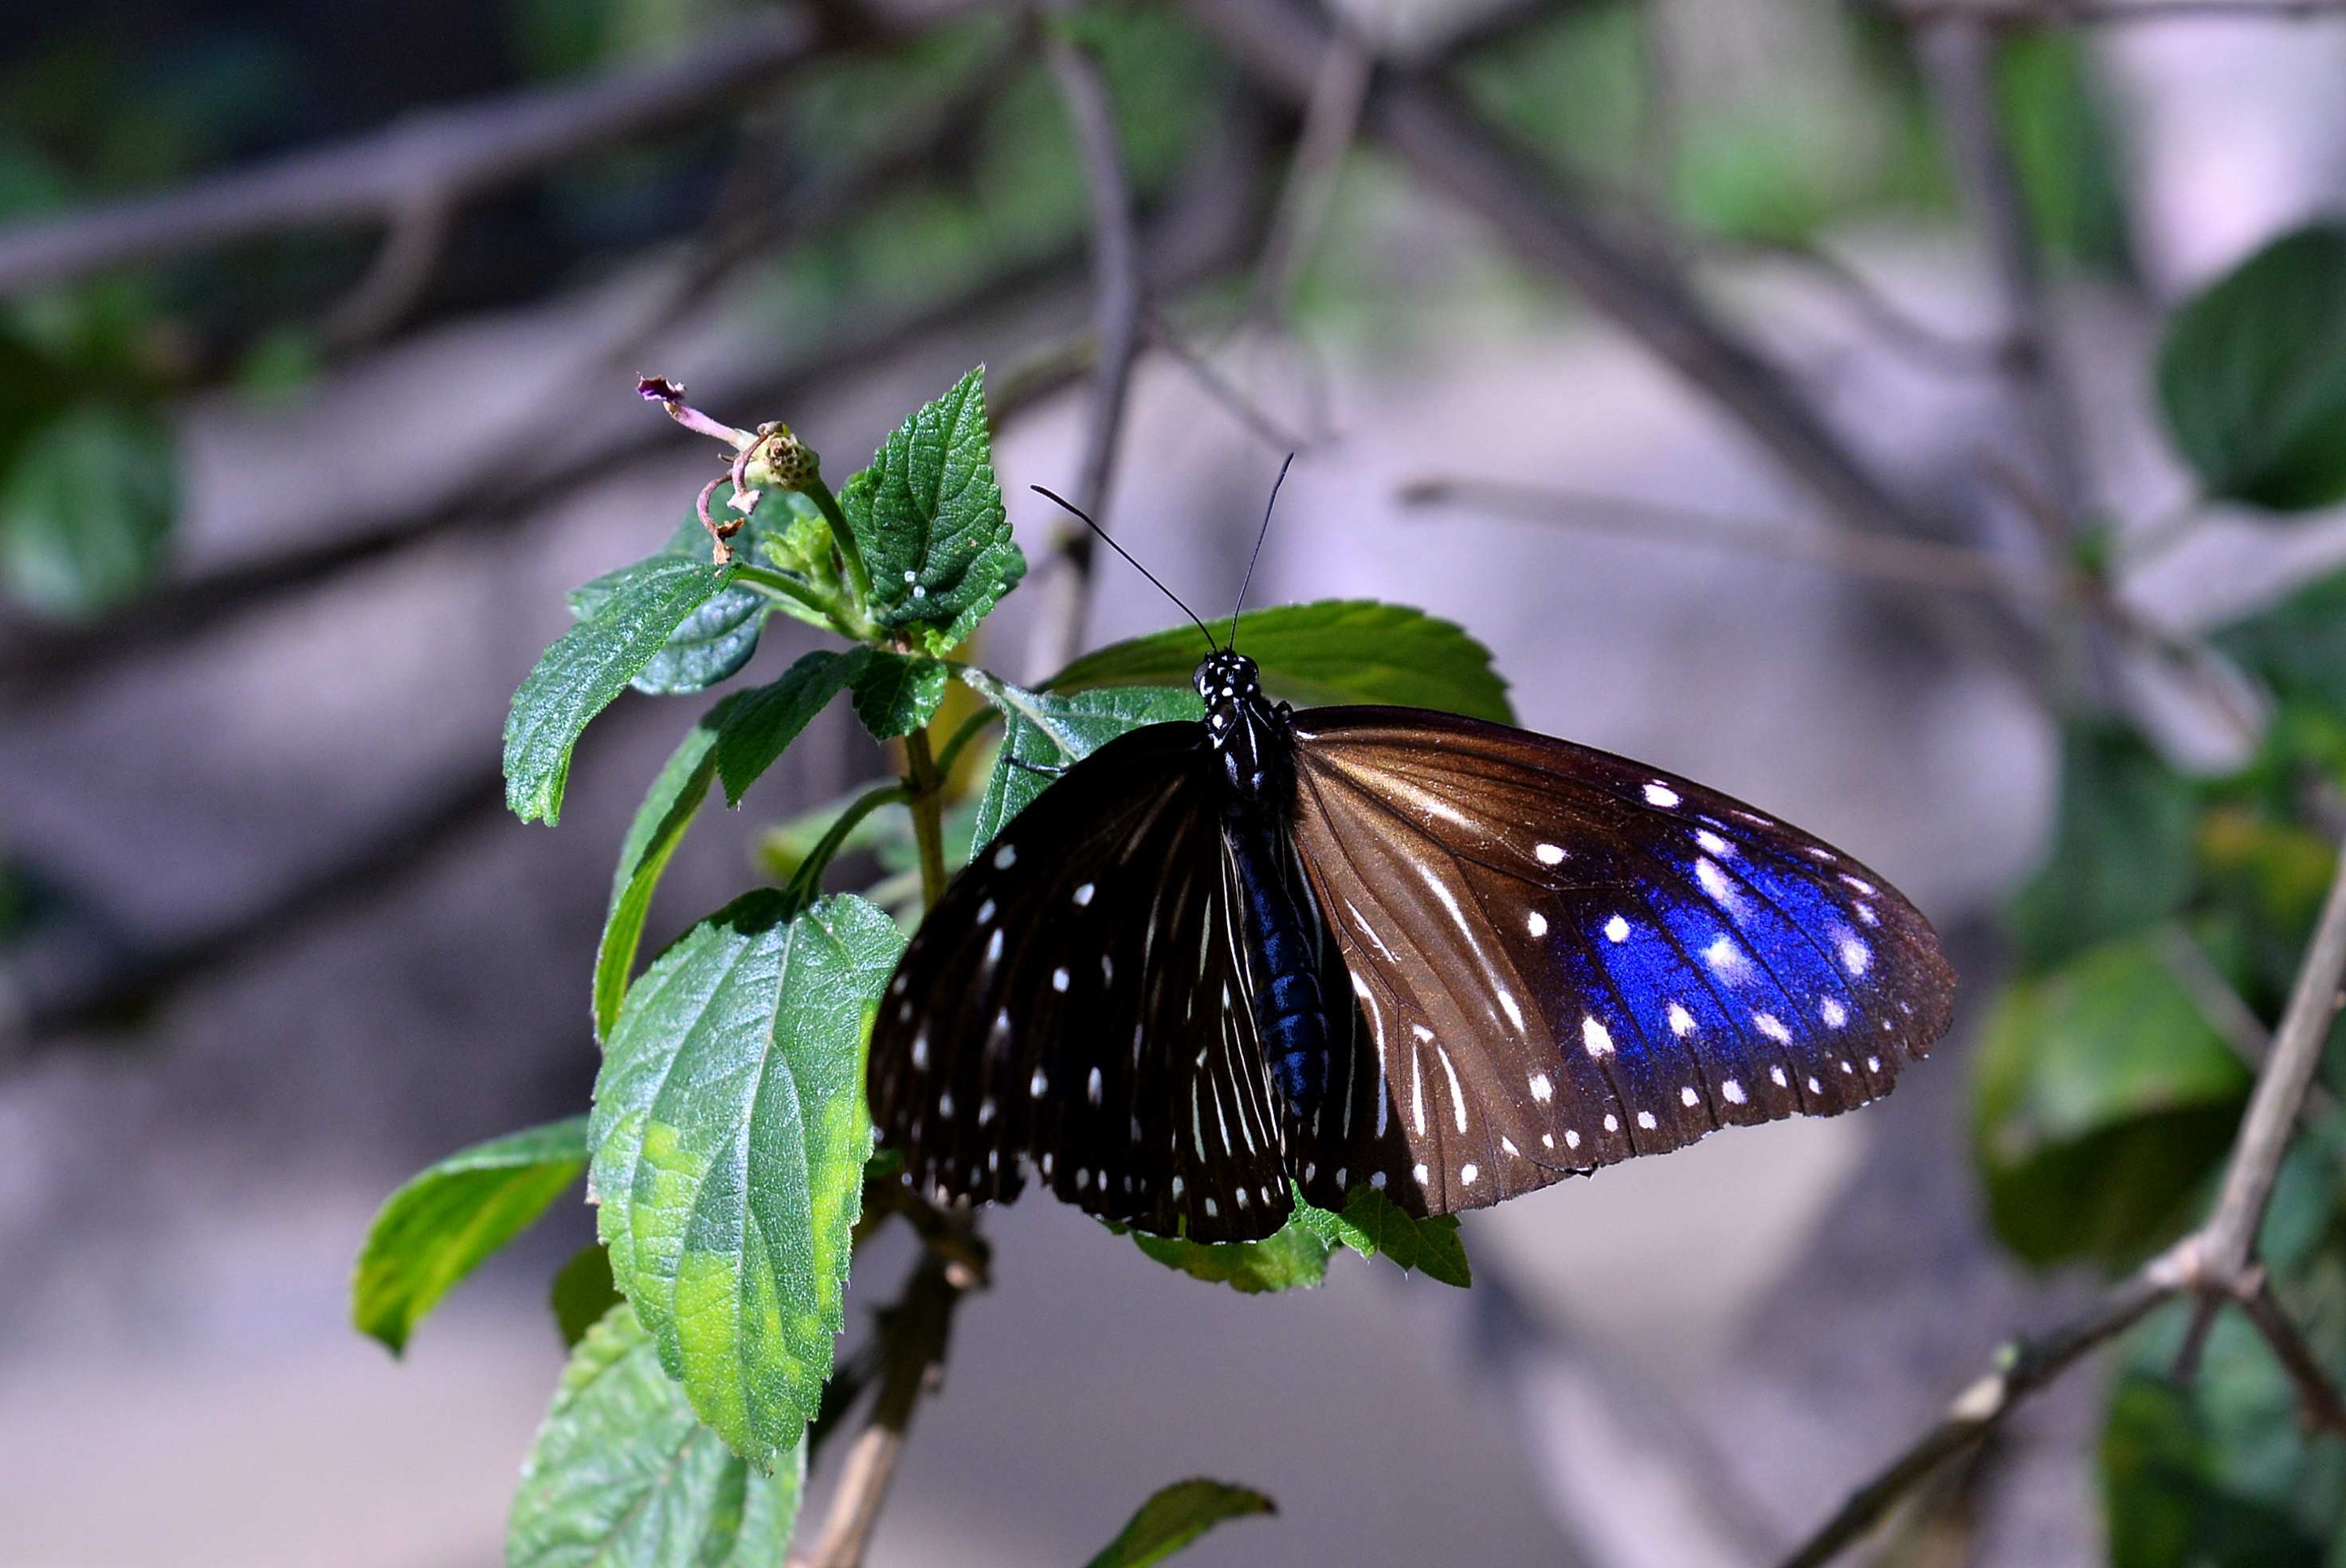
(850, 554)
(806, 882)
(782, 586)
(928, 815)
(961, 737)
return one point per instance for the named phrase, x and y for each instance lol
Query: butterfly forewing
(1077, 1001)
(1564, 959)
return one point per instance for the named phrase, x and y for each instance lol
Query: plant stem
(776, 585)
(806, 882)
(850, 554)
(928, 816)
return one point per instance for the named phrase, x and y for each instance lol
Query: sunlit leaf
(590, 665)
(1332, 651)
(928, 518)
(622, 1473)
(86, 509)
(667, 810)
(760, 724)
(438, 1227)
(895, 694)
(729, 1137)
(1051, 730)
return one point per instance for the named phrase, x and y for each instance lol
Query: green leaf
(928, 519)
(622, 1473)
(2121, 855)
(437, 1228)
(1333, 651)
(729, 1137)
(2220, 1473)
(1175, 1516)
(1049, 730)
(582, 1292)
(1295, 1258)
(2102, 1099)
(86, 509)
(2252, 375)
(895, 694)
(715, 641)
(762, 723)
(668, 808)
(1374, 1225)
(590, 665)
(2298, 647)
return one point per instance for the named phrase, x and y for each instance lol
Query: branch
(1957, 60)
(442, 158)
(1117, 321)
(1912, 563)
(1283, 45)
(2215, 1263)
(915, 1334)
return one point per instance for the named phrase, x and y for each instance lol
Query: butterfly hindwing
(1078, 1001)
(1571, 959)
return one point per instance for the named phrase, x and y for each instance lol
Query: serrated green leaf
(761, 723)
(2252, 375)
(2102, 1099)
(895, 694)
(1295, 1258)
(1331, 651)
(928, 518)
(2297, 646)
(590, 665)
(86, 509)
(1177, 1515)
(582, 1293)
(621, 1473)
(438, 1227)
(714, 642)
(1374, 1225)
(2121, 857)
(728, 1136)
(1050, 730)
(667, 810)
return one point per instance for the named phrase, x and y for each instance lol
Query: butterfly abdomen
(1291, 1014)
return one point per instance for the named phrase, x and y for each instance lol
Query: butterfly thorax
(1255, 743)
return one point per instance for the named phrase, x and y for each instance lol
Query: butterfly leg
(1046, 770)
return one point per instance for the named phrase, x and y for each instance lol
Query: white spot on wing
(1084, 895)
(1661, 795)
(1423, 1176)
(1594, 1035)
(1681, 1021)
(1730, 1091)
(1689, 1098)
(1037, 1086)
(1833, 1013)
(1854, 955)
(1712, 844)
(1006, 856)
(993, 946)
(1723, 956)
(1542, 1088)
(1548, 854)
(1536, 923)
(1058, 980)
(1646, 1120)
(1466, 1175)
(1771, 1025)
(1617, 930)
(1094, 1087)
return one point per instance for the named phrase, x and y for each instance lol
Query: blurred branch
(2214, 1263)
(89, 987)
(1911, 563)
(402, 269)
(1118, 302)
(1251, 416)
(1958, 59)
(1897, 327)
(440, 160)
(915, 1334)
(2103, 13)
(1331, 123)
(1283, 45)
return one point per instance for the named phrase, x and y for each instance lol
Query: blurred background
(1756, 380)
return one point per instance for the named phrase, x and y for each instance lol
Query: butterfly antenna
(1063, 500)
(1258, 538)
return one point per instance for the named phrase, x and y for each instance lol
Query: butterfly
(1452, 961)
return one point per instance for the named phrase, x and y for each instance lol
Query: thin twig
(402, 271)
(1914, 563)
(1332, 122)
(1283, 45)
(1249, 415)
(1958, 59)
(2215, 1261)
(1117, 304)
